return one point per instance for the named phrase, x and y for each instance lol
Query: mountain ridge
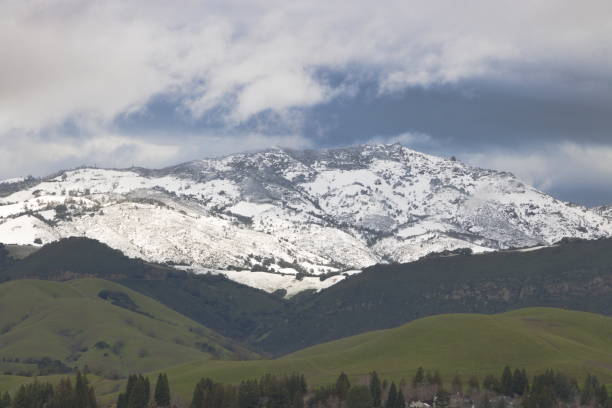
(289, 219)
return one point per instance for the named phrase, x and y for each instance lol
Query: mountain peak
(265, 218)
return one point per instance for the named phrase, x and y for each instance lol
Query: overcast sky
(524, 86)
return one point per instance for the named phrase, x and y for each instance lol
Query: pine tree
(507, 383)
(342, 386)
(162, 391)
(84, 395)
(401, 401)
(392, 397)
(375, 389)
(590, 389)
(201, 392)
(64, 395)
(602, 396)
(197, 400)
(419, 378)
(33, 395)
(520, 382)
(525, 381)
(123, 398)
(93, 403)
(137, 392)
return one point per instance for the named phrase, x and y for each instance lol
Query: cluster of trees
(138, 393)
(512, 388)
(553, 389)
(269, 391)
(367, 394)
(509, 384)
(63, 395)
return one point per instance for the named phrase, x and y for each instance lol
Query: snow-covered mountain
(605, 210)
(305, 216)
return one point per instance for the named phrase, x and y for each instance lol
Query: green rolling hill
(99, 324)
(574, 275)
(231, 309)
(535, 338)
(576, 343)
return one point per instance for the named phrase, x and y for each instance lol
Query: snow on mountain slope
(296, 214)
(605, 210)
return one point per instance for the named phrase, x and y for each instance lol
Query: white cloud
(43, 155)
(554, 166)
(413, 140)
(86, 63)
(75, 58)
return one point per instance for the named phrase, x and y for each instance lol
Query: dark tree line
(45, 395)
(269, 391)
(138, 393)
(551, 389)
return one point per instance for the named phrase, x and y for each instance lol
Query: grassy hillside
(121, 333)
(537, 338)
(232, 309)
(467, 344)
(576, 275)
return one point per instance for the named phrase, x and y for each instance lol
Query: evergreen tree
(64, 395)
(197, 400)
(419, 378)
(520, 382)
(436, 379)
(136, 395)
(342, 386)
(122, 399)
(84, 395)
(401, 401)
(602, 396)
(507, 384)
(162, 391)
(92, 398)
(375, 389)
(590, 390)
(33, 395)
(392, 397)
(565, 388)
(202, 390)
(540, 397)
